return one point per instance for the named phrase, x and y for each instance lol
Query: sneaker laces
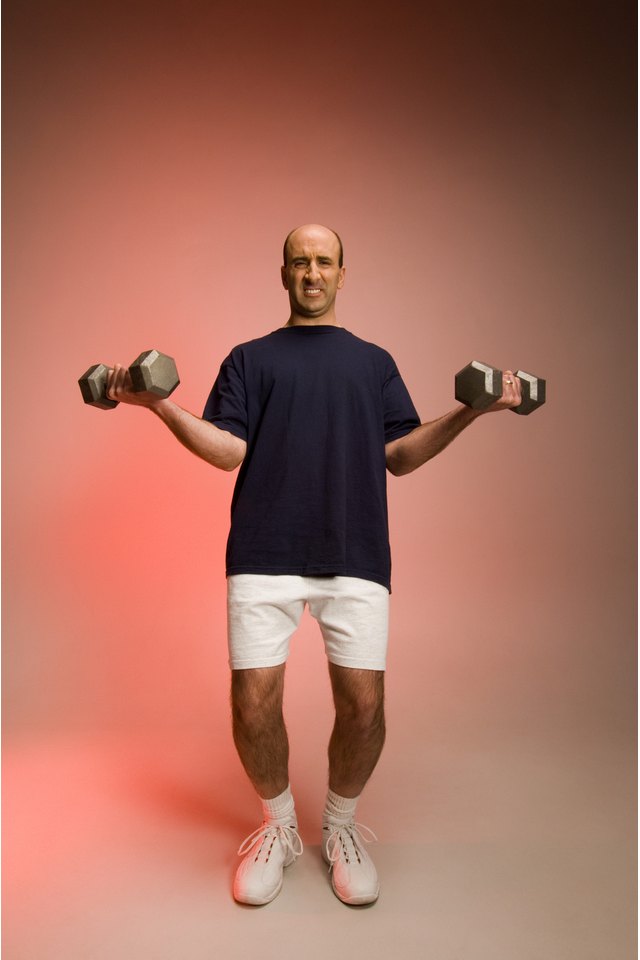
(286, 833)
(339, 838)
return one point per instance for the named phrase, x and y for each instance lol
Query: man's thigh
(263, 612)
(353, 615)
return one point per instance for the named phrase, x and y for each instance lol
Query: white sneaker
(353, 874)
(267, 851)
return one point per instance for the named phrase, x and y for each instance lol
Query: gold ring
(508, 381)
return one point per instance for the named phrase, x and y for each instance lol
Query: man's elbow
(395, 466)
(397, 469)
(393, 457)
(236, 454)
(228, 455)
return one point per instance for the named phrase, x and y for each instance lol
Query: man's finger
(114, 381)
(510, 388)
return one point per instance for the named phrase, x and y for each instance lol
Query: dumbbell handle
(152, 371)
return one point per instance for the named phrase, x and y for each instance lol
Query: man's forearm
(429, 439)
(218, 447)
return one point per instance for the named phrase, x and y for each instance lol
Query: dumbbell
(479, 385)
(151, 371)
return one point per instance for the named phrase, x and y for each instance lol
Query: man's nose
(312, 271)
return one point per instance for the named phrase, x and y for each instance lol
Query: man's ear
(283, 274)
(341, 274)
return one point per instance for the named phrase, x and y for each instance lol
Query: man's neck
(298, 320)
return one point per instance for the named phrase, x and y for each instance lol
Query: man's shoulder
(372, 349)
(255, 345)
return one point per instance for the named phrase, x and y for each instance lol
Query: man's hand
(120, 388)
(511, 394)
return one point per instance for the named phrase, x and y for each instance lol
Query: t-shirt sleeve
(227, 403)
(400, 415)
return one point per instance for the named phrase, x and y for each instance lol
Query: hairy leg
(259, 732)
(359, 731)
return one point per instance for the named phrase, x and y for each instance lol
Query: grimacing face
(312, 275)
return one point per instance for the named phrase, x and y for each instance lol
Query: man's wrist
(161, 406)
(468, 413)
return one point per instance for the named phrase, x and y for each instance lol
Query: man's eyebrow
(321, 256)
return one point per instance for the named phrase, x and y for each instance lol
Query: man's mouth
(312, 291)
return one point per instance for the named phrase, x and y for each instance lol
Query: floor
(124, 846)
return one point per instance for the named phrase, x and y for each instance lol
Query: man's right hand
(120, 388)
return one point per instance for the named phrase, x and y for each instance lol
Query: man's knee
(358, 696)
(256, 694)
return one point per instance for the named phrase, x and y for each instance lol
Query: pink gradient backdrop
(485, 197)
(479, 162)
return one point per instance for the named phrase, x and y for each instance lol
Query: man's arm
(409, 452)
(218, 447)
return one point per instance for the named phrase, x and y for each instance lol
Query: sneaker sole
(357, 901)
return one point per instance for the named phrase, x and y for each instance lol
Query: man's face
(312, 276)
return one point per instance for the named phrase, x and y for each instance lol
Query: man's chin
(312, 310)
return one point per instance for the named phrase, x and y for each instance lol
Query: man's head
(313, 271)
(285, 249)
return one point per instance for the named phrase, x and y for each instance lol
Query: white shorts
(264, 610)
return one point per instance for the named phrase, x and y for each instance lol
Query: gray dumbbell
(479, 385)
(152, 371)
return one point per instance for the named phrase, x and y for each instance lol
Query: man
(315, 416)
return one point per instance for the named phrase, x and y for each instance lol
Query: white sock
(339, 808)
(280, 809)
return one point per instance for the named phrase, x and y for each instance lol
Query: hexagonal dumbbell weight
(151, 371)
(479, 385)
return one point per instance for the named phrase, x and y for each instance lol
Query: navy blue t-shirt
(316, 405)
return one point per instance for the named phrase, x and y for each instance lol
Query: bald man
(314, 416)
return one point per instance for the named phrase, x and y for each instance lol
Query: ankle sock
(339, 808)
(280, 809)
